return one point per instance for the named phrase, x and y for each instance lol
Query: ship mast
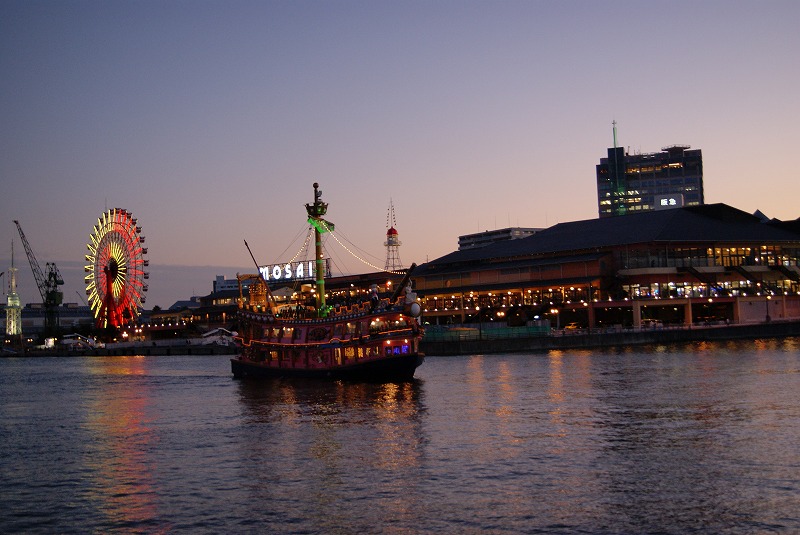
(315, 213)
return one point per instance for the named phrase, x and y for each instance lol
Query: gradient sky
(210, 120)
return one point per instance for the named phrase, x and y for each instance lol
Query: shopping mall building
(697, 264)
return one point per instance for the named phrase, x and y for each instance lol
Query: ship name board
(305, 270)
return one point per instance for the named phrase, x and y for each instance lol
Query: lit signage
(669, 201)
(292, 271)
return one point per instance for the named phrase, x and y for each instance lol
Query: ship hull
(388, 369)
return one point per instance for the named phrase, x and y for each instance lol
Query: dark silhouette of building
(480, 239)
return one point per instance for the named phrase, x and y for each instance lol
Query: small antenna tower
(392, 243)
(614, 125)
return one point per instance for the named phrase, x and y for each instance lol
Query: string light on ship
(304, 246)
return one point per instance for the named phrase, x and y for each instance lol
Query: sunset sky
(211, 120)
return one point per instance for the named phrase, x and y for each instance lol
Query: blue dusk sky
(211, 120)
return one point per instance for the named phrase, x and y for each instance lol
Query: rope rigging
(373, 266)
(304, 248)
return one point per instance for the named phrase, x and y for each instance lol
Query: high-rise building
(629, 183)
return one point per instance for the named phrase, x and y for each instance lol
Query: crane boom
(48, 286)
(82, 298)
(37, 271)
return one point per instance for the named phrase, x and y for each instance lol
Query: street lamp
(558, 322)
(767, 302)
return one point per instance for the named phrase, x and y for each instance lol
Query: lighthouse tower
(392, 243)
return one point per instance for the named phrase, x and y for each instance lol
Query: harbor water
(698, 438)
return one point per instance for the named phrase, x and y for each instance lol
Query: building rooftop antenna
(614, 126)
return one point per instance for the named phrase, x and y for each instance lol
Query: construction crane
(48, 286)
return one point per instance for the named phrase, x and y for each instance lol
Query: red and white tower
(392, 243)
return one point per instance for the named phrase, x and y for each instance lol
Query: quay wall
(487, 345)
(130, 350)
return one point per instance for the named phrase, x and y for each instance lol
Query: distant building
(71, 317)
(629, 183)
(480, 239)
(221, 284)
(183, 304)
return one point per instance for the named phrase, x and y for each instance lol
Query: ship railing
(363, 308)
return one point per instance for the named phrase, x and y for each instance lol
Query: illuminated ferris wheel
(115, 276)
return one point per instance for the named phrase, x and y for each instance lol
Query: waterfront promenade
(462, 340)
(488, 339)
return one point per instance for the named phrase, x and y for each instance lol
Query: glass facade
(685, 257)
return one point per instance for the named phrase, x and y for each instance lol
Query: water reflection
(668, 439)
(346, 437)
(672, 431)
(122, 440)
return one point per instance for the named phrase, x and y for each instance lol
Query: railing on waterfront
(172, 343)
(439, 333)
(470, 332)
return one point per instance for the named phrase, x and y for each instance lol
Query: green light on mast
(315, 212)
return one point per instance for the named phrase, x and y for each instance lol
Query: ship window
(377, 325)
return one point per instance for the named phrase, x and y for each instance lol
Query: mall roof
(701, 224)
